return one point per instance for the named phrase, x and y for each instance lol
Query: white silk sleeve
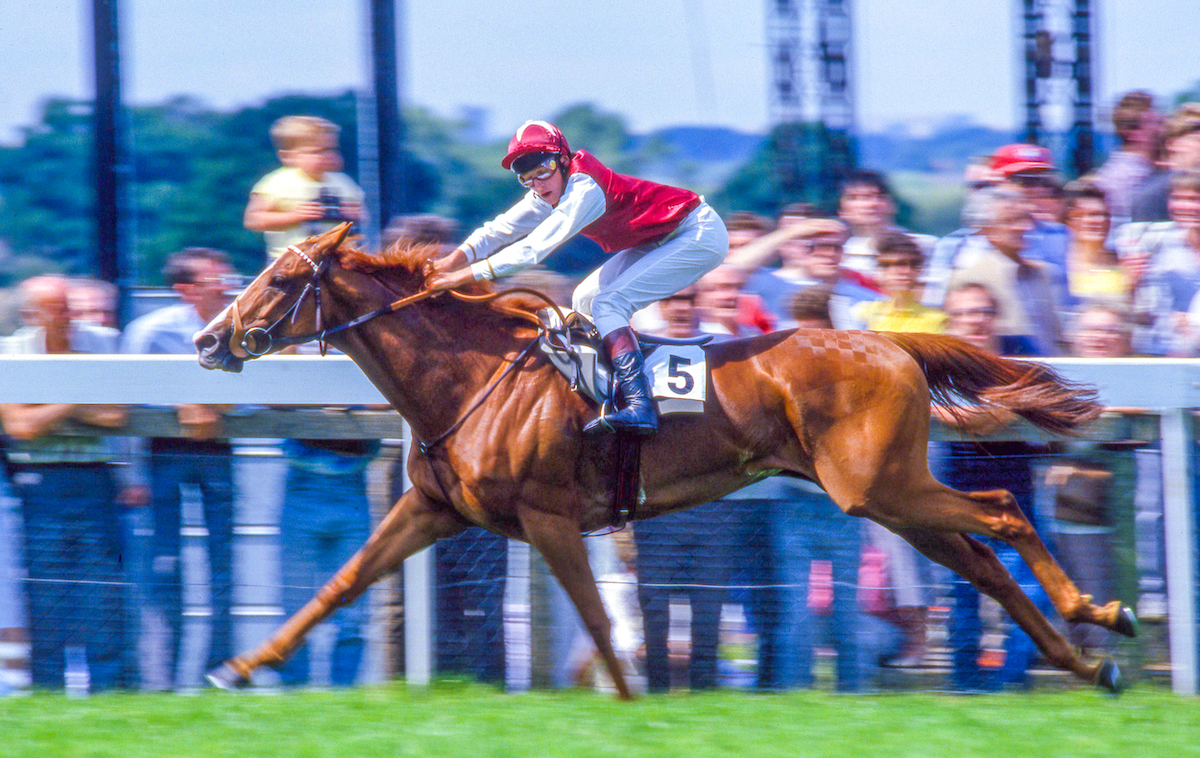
(515, 223)
(582, 203)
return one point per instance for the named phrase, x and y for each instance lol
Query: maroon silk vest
(638, 212)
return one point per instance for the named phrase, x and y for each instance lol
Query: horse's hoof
(226, 677)
(1109, 677)
(1127, 623)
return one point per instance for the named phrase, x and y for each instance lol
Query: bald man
(69, 503)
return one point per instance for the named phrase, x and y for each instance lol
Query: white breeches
(634, 278)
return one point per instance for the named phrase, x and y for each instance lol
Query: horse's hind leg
(415, 522)
(557, 538)
(996, 514)
(978, 564)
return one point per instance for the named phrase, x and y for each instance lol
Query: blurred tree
(771, 180)
(604, 135)
(1191, 95)
(45, 199)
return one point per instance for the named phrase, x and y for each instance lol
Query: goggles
(541, 171)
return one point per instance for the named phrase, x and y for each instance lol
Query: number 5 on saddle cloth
(677, 369)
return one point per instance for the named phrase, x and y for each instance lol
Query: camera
(331, 205)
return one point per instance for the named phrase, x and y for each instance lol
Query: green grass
(454, 719)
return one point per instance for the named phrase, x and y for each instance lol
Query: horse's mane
(412, 258)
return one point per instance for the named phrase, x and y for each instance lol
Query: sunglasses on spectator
(225, 280)
(898, 263)
(540, 172)
(974, 313)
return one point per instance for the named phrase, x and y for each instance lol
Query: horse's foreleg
(414, 522)
(976, 563)
(557, 538)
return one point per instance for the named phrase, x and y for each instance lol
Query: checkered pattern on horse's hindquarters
(862, 347)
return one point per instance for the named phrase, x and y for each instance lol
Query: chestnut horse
(499, 443)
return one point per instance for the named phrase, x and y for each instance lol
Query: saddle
(573, 345)
(675, 368)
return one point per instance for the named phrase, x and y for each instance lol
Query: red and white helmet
(536, 137)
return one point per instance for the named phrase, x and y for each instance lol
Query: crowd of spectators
(1106, 265)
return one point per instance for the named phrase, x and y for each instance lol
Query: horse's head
(280, 307)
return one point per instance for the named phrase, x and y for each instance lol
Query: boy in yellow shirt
(308, 195)
(899, 263)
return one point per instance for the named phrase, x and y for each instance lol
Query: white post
(418, 618)
(418, 603)
(1178, 515)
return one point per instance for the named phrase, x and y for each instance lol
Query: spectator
(1029, 171)
(420, 229)
(308, 194)
(1139, 129)
(1028, 290)
(811, 253)
(68, 495)
(868, 207)
(725, 309)
(973, 466)
(681, 555)
(816, 549)
(978, 179)
(1102, 330)
(751, 316)
(810, 308)
(201, 458)
(1081, 483)
(899, 263)
(93, 301)
(1182, 147)
(325, 515)
(744, 227)
(1093, 269)
(1163, 260)
(324, 520)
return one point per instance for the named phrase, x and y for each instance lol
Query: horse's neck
(429, 377)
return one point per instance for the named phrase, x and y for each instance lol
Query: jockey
(661, 240)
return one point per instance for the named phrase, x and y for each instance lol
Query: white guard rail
(1169, 388)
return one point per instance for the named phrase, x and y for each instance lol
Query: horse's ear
(340, 232)
(332, 239)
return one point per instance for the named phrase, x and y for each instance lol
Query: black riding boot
(632, 390)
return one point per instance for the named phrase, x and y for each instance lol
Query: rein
(244, 343)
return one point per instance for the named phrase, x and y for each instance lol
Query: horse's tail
(957, 370)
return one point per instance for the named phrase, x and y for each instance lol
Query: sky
(687, 62)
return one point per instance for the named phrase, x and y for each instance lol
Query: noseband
(257, 341)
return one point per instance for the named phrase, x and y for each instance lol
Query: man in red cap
(661, 240)
(1022, 158)
(1030, 170)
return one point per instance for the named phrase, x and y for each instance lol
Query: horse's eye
(277, 281)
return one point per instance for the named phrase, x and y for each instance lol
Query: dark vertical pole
(1033, 120)
(388, 122)
(106, 153)
(1083, 148)
(837, 96)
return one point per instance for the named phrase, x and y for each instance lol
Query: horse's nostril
(206, 342)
